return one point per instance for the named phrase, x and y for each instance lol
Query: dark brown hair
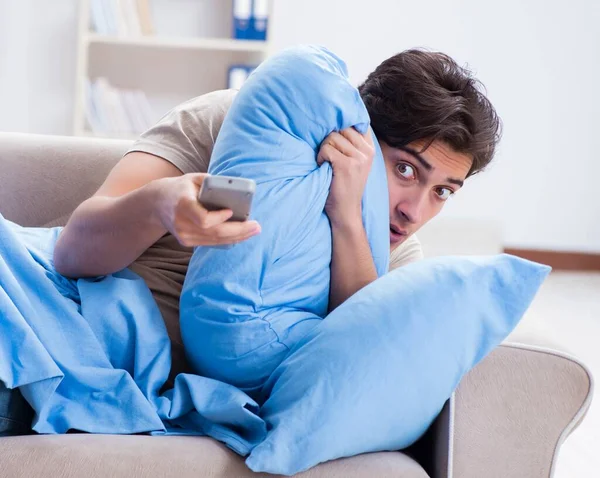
(423, 95)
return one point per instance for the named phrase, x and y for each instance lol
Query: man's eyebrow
(428, 166)
(458, 182)
(417, 156)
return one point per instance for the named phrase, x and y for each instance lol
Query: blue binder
(238, 74)
(260, 19)
(242, 15)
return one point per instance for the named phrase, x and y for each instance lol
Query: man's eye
(444, 193)
(406, 171)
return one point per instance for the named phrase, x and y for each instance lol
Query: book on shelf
(132, 17)
(238, 74)
(250, 19)
(98, 18)
(242, 14)
(111, 110)
(145, 17)
(110, 15)
(260, 19)
(120, 12)
(121, 17)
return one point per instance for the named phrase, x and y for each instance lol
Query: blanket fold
(92, 354)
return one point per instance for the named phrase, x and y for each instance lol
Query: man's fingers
(341, 143)
(328, 153)
(324, 153)
(194, 212)
(214, 218)
(234, 231)
(204, 218)
(243, 237)
(362, 142)
(197, 178)
(225, 233)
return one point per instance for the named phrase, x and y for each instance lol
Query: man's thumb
(197, 178)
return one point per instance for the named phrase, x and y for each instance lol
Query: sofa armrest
(511, 413)
(433, 449)
(44, 178)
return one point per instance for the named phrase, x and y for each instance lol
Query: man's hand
(183, 216)
(142, 199)
(351, 155)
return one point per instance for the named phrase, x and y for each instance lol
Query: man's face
(419, 184)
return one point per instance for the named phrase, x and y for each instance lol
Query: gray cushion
(44, 178)
(93, 456)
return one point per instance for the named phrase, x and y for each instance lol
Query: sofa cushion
(65, 171)
(74, 456)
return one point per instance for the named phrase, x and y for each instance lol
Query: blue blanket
(92, 354)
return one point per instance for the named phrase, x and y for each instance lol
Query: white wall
(37, 65)
(540, 61)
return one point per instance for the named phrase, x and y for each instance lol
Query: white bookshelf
(216, 44)
(190, 55)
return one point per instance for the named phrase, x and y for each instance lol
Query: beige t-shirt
(185, 137)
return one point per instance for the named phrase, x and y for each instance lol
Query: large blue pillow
(376, 372)
(243, 308)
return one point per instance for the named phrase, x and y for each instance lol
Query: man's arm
(143, 197)
(352, 267)
(112, 228)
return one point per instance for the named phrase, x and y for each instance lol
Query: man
(435, 128)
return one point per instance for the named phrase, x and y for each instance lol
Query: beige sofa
(507, 419)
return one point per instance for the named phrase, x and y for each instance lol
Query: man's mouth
(397, 234)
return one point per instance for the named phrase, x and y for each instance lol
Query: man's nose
(412, 209)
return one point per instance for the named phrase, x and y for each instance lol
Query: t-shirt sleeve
(186, 135)
(407, 252)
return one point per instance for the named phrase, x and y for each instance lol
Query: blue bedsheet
(93, 354)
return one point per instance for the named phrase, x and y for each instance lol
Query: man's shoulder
(186, 135)
(407, 252)
(219, 100)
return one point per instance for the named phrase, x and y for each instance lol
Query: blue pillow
(243, 308)
(377, 371)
